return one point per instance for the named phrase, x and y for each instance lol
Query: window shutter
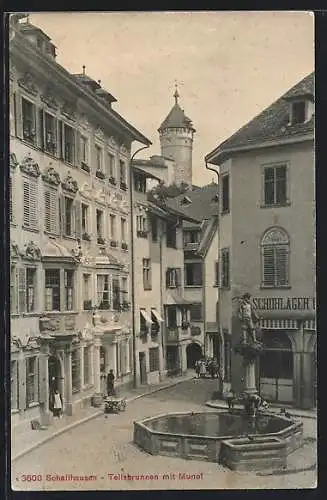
(268, 266)
(26, 203)
(281, 266)
(77, 147)
(178, 272)
(78, 221)
(47, 210)
(18, 116)
(41, 129)
(167, 277)
(22, 289)
(61, 214)
(60, 139)
(33, 206)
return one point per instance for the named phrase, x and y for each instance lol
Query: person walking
(111, 383)
(197, 368)
(57, 404)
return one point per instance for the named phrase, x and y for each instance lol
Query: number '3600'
(31, 477)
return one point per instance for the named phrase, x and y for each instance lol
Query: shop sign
(285, 303)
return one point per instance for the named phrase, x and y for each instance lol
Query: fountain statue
(249, 348)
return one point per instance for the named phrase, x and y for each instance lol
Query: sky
(229, 66)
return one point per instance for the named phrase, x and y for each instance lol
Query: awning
(157, 315)
(146, 316)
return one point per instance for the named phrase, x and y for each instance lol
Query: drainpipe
(131, 188)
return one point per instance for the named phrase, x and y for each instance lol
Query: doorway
(142, 362)
(56, 381)
(193, 354)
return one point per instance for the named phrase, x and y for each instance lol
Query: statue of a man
(248, 316)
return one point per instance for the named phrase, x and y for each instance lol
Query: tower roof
(176, 118)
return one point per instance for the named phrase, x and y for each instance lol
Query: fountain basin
(200, 436)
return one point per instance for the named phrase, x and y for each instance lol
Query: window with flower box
(48, 127)
(84, 153)
(123, 179)
(68, 143)
(99, 224)
(85, 221)
(111, 168)
(29, 121)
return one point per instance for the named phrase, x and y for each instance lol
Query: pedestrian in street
(111, 383)
(203, 369)
(230, 398)
(197, 368)
(57, 404)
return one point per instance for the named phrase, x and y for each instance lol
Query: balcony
(100, 175)
(190, 249)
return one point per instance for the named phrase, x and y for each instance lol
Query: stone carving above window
(68, 111)
(29, 166)
(27, 83)
(123, 150)
(84, 123)
(99, 133)
(13, 162)
(51, 176)
(31, 252)
(69, 184)
(86, 191)
(14, 251)
(49, 99)
(112, 142)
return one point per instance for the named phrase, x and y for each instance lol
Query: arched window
(275, 247)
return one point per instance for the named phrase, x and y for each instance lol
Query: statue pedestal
(249, 376)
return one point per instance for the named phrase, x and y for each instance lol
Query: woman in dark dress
(110, 383)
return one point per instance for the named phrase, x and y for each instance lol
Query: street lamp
(132, 258)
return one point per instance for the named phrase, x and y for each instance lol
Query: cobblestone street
(103, 446)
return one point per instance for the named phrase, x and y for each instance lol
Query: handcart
(114, 404)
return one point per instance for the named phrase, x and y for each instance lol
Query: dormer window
(298, 113)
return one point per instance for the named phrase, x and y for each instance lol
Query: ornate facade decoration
(69, 184)
(13, 162)
(123, 150)
(101, 196)
(14, 251)
(68, 111)
(86, 191)
(84, 123)
(49, 324)
(49, 99)
(112, 142)
(51, 176)
(31, 252)
(99, 133)
(27, 83)
(29, 166)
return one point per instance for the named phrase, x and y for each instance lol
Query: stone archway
(193, 354)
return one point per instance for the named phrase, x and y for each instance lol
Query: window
(193, 274)
(298, 112)
(51, 210)
(68, 144)
(29, 122)
(154, 359)
(196, 312)
(13, 290)
(147, 281)
(69, 287)
(31, 381)
(68, 216)
(123, 229)
(85, 218)
(14, 384)
(171, 317)
(86, 365)
(122, 170)
(139, 183)
(154, 228)
(275, 185)
(171, 235)
(216, 271)
(225, 194)
(84, 149)
(99, 222)
(116, 295)
(191, 237)
(30, 289)
(225, 268)
(173, 277)
(111, 166)
(275, 258)
(87, 302)
(98, 158)
(52, 290)
(49, 132)
(124, 293)
(103, 291)
(76, 378)
(30, 208)
(112, 226)
(141, 226)
(22, 290)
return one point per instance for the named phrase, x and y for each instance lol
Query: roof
(203, 203)
(271, 124)
(166, 211)
(176, 119)
(26, 26)
(145, 173)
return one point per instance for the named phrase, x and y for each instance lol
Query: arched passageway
(193, 354)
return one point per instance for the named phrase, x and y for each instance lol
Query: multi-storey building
(267, 243)
(69, 224)
(161, 322)
(200, 244)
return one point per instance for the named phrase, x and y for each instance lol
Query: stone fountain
(251, 438)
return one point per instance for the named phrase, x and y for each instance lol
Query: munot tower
(176, 140)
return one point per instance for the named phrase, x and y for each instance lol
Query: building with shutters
(267, 243)
(162, 312)
(69, 229)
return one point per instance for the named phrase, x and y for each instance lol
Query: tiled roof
(176, 119)
(203, 202)
(272, 123)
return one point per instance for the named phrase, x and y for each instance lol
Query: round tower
(176, 141)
